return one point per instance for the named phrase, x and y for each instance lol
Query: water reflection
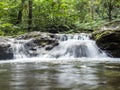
(50, 76)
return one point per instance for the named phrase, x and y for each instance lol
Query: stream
(60, 74)
(75, 64)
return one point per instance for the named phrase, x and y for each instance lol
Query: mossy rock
(108, 40)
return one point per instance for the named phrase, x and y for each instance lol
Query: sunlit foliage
(19, 16)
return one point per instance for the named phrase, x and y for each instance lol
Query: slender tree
(30, 2)
(19, 16)
(110, 8)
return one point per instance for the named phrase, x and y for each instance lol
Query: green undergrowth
(8, 29)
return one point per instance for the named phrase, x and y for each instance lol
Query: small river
(83, 74)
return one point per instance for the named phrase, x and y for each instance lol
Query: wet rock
(39, 41)
(49, 47)
(109, 40)
(6, 51)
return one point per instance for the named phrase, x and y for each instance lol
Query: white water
(70, 46)
(18, 48)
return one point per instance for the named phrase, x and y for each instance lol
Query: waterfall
(19, 50)
(70, 46)
(75, 46)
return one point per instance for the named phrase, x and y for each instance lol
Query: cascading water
(70, 46)
(75, 46)
(18, 48)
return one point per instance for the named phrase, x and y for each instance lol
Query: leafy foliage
(55, 15)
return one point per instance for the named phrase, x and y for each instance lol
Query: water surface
(60, 74)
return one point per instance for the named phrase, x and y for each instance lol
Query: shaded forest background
(55, 16)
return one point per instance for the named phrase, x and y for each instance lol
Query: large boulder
(5, 49)
(109, 39)
(37, 41)
(35, 44)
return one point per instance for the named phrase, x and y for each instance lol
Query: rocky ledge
(6, 51)
(34, 40)
(37, 41)
(32, 43)
(108, 38)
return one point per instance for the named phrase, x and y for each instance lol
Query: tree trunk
(19, 16)
(110, 7)
(92, 12)
(30, 2)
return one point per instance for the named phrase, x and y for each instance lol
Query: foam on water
(62, 60)
(70, 46)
